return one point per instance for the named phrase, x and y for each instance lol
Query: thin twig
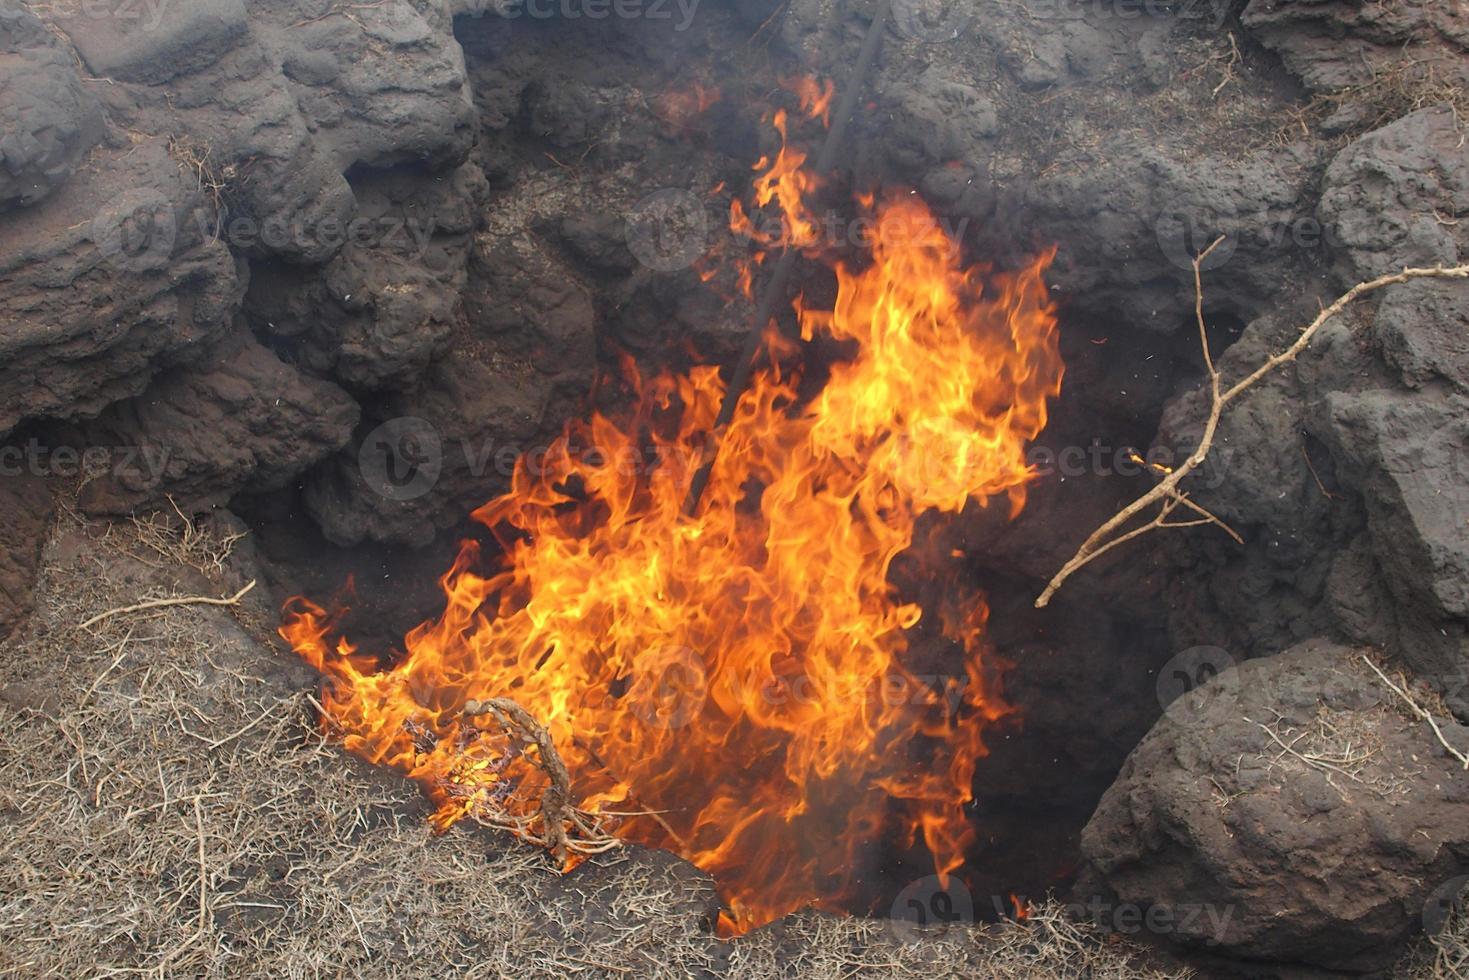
(1316, 476)
(1185, 500)
(1420, 712)
(187, 600)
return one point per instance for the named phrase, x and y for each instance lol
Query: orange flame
(736, 687)
(815, 96)
(785, 184)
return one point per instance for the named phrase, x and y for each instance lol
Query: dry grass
(181, 539)
(1050, 946)
(210, 180)
(1407, 86)
(169, 811)
(1444, 956)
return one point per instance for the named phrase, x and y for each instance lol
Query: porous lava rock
(1344, 470)
(26, 509)
(525, 344)
(105, 283)
(1296, 801)
(1334, 44)
(377, 314)
(47, 119)
(242, 420)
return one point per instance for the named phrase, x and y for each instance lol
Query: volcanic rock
(1394, 197)
(106, 282)
(242, 421)
(431, 453)
(1333, 44)
(1132, 223)
(48, 121)
(383, 87)
(1409, 454)
(1343, 470)
(1296, 803)
(26, 509)
(386, 304)
(133, 42)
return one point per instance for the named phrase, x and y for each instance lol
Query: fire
(783, 183)
(814, 95)
(737, 686)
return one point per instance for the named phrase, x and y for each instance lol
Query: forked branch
(1166, 493)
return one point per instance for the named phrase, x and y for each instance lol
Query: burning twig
(1166, 492)
(556, 809)
(186, 600)
(1420, 713)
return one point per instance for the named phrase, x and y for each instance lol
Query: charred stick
(775, 290)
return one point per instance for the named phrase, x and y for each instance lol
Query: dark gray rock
(1395, 197)
(1344, 469)
(1409, 454)
(1422, 330)
(1334, 44)
(934, 120)
(236, 123)
(381, 84)
(1130, 223)
(151, 43)
(1321, 855)
(386, 304)
(26, 509)
(47, 120)
(242, 421)
(1043, 64)
(110, 280)
(427, 456)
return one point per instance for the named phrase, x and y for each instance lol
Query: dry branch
(1421, 713)
(556, 809)
(1166, 492)
(185, 600)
